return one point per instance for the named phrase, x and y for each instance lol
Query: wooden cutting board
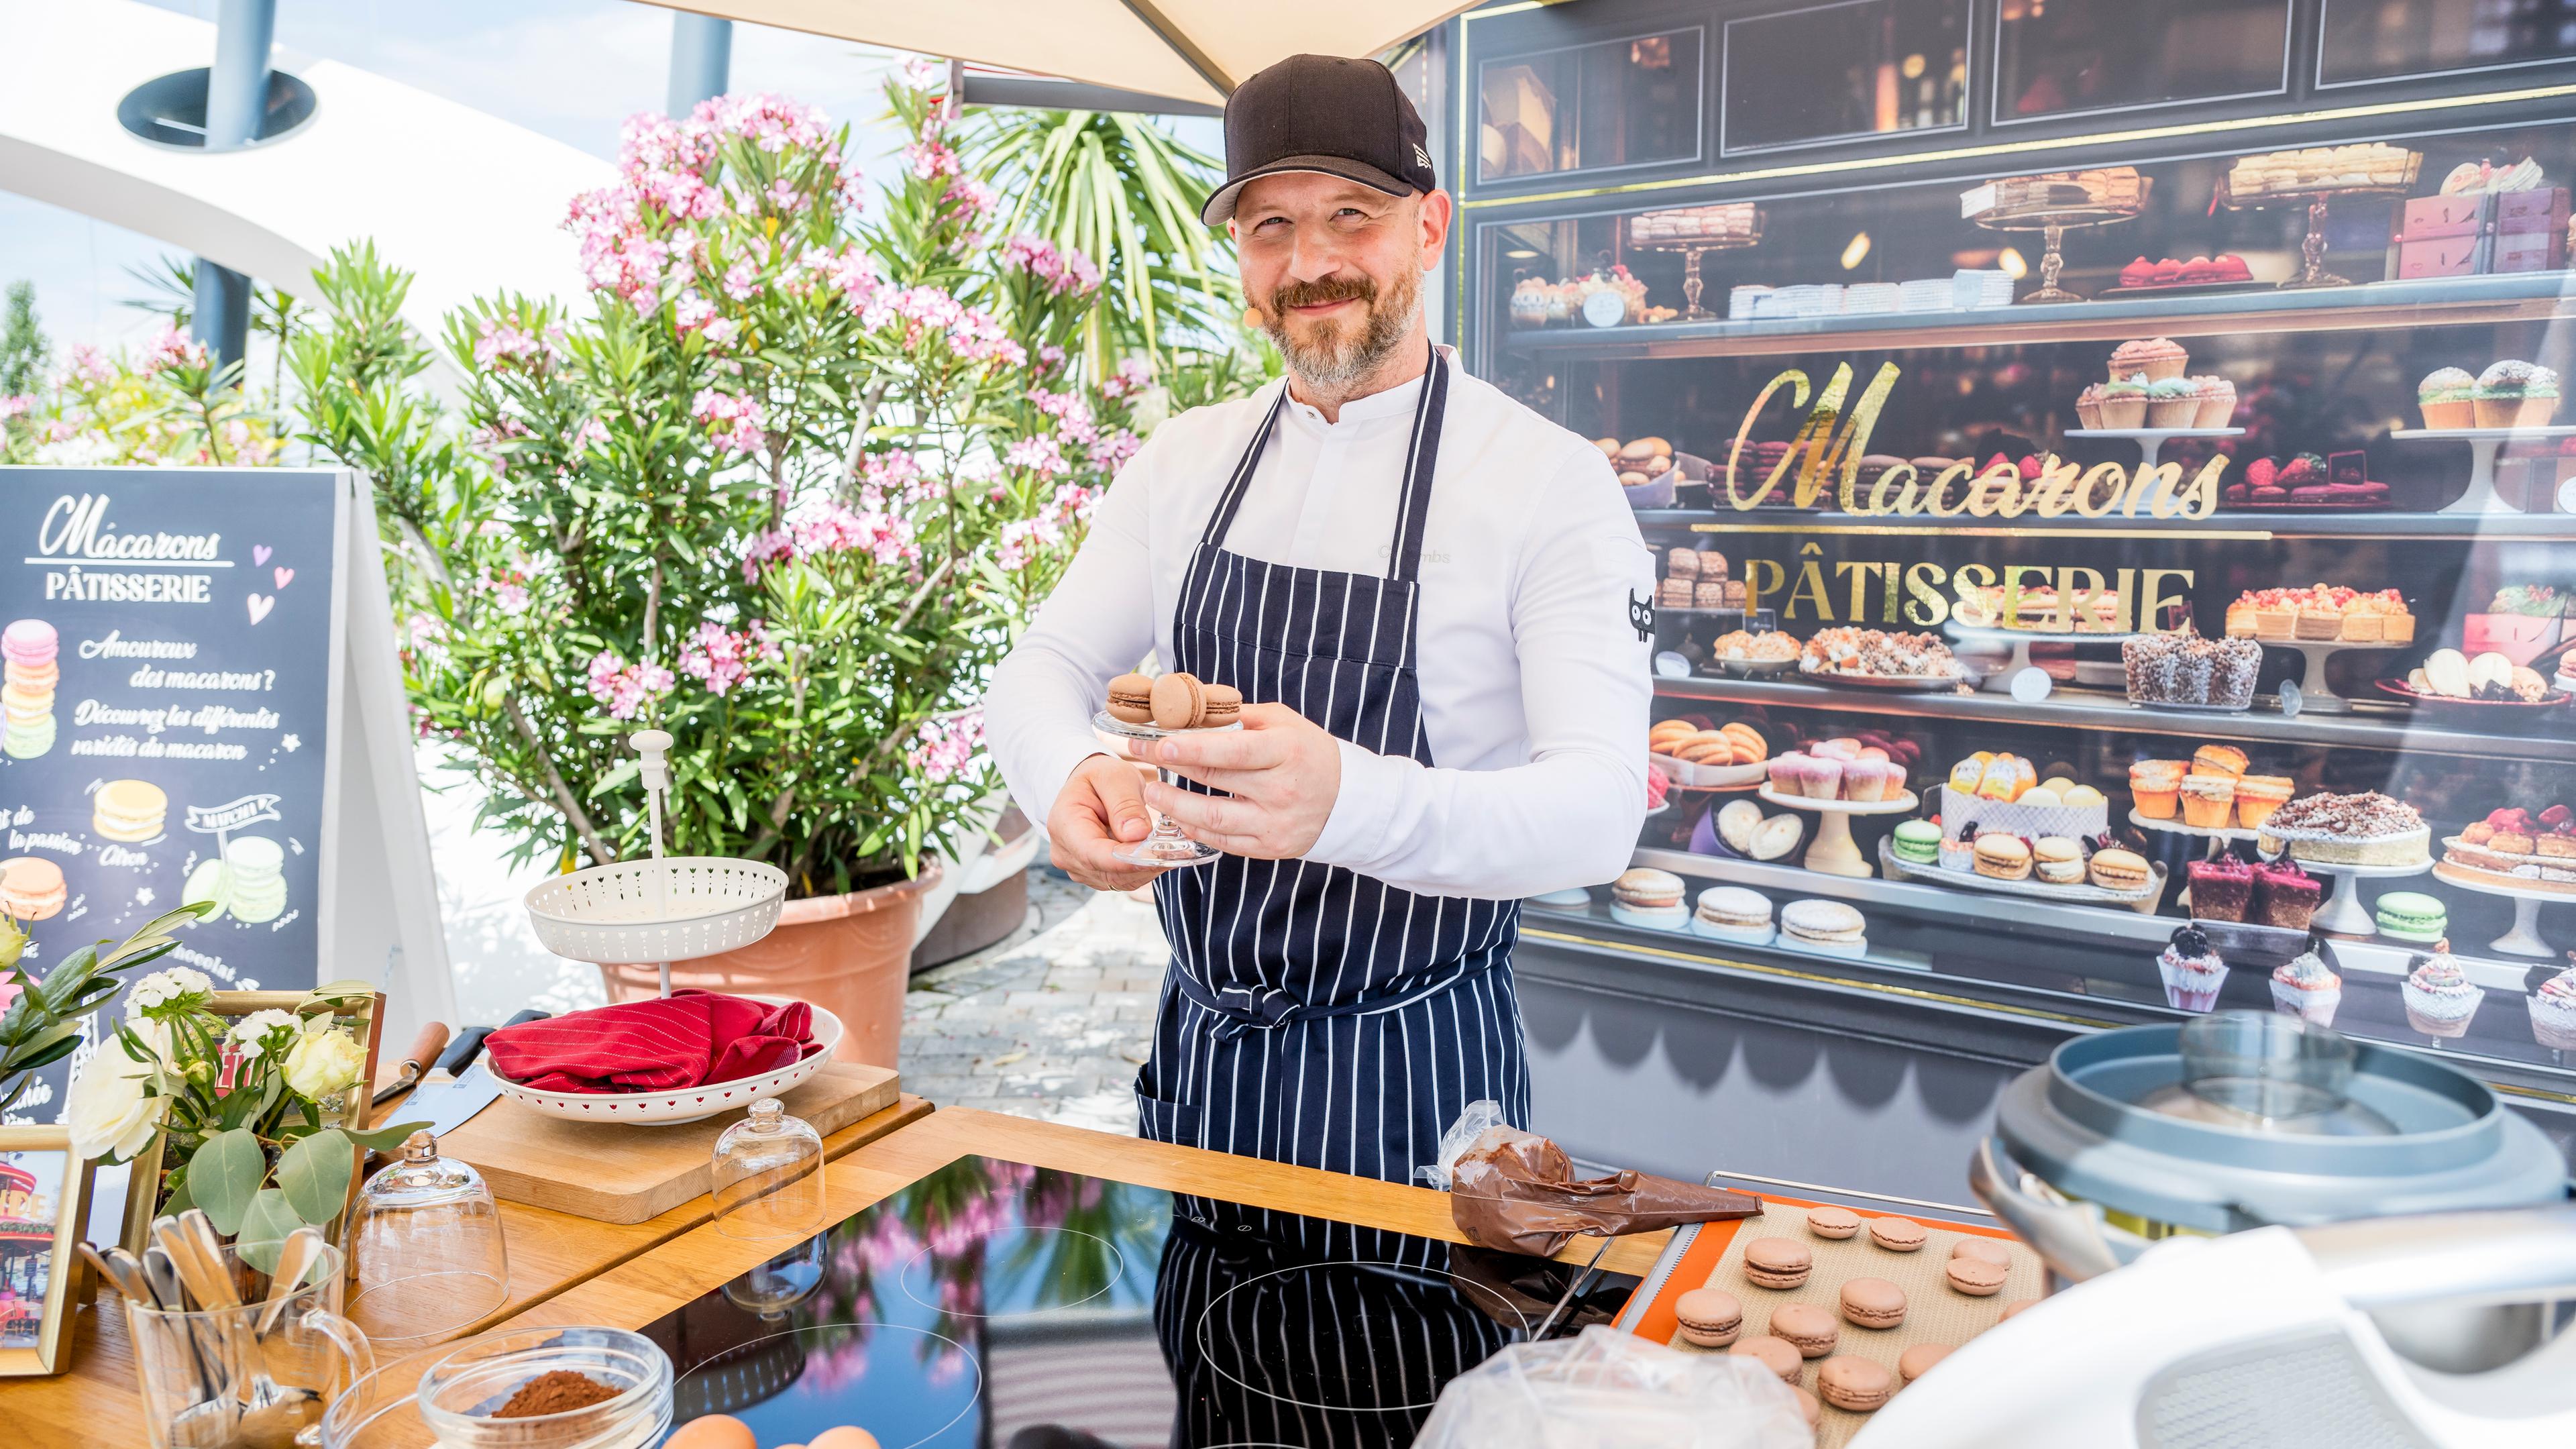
(623, 1173)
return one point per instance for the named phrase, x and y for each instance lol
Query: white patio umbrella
(1191, 50)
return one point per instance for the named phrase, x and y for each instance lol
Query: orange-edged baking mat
(1712, 1255)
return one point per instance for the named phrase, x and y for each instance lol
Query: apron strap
(1266, 1007)
(1421, 460)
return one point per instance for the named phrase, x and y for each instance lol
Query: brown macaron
(1774, 1354)
(1897, 1235)
(1853, 1383)
(1709, 1317)
(1873, 1303)
(1993, 1250)
(1178, 698)
(1808, 1406)
(1777, 1263)
(1917, 1361)
(1976, 1277)
(1833, 1222)
(1131, 699)
(1224, 706)
(1805, 1327)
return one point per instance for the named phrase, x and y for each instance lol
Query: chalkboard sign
(175, 651)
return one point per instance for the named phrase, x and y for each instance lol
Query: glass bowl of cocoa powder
(548, 1388)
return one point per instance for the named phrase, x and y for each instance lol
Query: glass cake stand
(1834, 852)
(1164, 844)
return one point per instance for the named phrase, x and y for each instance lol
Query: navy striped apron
(1313, 1015)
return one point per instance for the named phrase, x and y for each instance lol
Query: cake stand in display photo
(2484, 444)
(654, 912)
(1691, 250)
(2000, 680)
(2524, 939)
(2313, 696)
(2343, 914)
(2151, 441)
(2070, 209)
(1164, 844)
(2312, 249)
(1834, 852)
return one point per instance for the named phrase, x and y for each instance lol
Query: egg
(713, 1431)
(848, 1436)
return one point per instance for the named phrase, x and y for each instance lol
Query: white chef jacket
(1535, 691)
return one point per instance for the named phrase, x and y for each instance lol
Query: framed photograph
(143, 1189)
(44, 1198)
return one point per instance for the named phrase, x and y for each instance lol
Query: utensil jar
(253, 1375)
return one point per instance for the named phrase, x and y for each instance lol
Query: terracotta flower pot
(848, 954)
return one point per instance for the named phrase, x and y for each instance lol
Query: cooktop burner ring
(1117, 1271)
(822, 1336)
(1487, 1298)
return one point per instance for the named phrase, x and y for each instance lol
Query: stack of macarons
(1732, 913)
(27, 653)
(256, 878)
(1827, 926)
(1916, 842)
(2412, 916)
(1649, 898)
(130, 812)
(32, 888)
(1176, 701)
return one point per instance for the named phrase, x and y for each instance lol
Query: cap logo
(1421, 157)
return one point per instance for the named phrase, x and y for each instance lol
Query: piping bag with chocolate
(1516, 1191)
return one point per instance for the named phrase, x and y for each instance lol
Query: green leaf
(264, 1228)
(385, 1139)
(224, 1175)
(180, 1199)
(315, 1173)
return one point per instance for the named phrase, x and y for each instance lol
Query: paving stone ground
(1051, 1022)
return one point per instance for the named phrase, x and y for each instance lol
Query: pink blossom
(1071, 413)
(742, 280)
(1062, 269)
(1039, 455)
(1112, 449)
(88, 365)
(626, 688)
(1050, 357)
(897, 475)
(971, 199)
(783, 195)
(771, 122)
(771, 546)
(507, 588)
(504, 339)
(16, 406)
(930, 160)
(836, 528)
(721, 658)
(173, 348)
(732, 421)
(1134, 376)
(972, 333)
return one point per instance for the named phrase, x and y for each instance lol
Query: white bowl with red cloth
(670, 1105)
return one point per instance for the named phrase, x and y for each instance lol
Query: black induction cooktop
(993, 1305)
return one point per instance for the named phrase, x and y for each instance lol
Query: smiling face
(1335, 269)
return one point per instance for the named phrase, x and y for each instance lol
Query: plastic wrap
(1516, 1192)
(1604, 1389)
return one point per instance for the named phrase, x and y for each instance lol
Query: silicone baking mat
(1935, 1312)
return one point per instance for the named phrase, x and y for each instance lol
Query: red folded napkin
(690, 1038)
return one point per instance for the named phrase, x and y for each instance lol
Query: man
(1423, 591)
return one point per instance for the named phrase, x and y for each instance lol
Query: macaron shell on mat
(1935, 1312)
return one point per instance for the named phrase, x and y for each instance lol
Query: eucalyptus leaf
(385, 1139)
(315, 1174)
(264, 1228)
(225, 1174)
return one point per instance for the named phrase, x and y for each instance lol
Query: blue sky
(569, 69)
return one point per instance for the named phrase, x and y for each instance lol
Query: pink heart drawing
(258, 554)
(283, 575)
(260, 604)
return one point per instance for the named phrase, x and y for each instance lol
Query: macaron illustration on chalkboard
(32, 888)
(28, 675)
(130, 812)
(246, 881)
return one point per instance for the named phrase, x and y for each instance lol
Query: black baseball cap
(1345, 118)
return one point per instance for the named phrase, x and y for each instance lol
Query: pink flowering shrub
(786, 486)
(164, 405)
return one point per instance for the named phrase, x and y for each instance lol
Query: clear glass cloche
(768, 1180)
(426, 1246)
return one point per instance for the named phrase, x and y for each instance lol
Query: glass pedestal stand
(2343, 915)
(1164, 844)
(2524, 939)
(2000, 681)
(1833, 852)
(2053, 223)
(2312, 247)
(2151, 440)
(2484, 444)
(1693, 285)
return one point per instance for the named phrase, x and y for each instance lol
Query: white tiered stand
(1833, 851)
(2524, 939)
(2483, 444)
(654, 912)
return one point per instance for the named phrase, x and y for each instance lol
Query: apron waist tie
(1265, 1008)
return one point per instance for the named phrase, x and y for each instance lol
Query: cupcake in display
(2439, 997)
(2088, 406)
(2192, 970)
(2305, 987)
(2172, 402)
(2448, 397)
(2157, 357)
(2257, 796)
(2156, 787)
(2208, 801)
(2124, 402)
(2516, 395)
(1959, 849)
(2553, 1011)
(2217, 398)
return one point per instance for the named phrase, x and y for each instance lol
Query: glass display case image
(2219, 591)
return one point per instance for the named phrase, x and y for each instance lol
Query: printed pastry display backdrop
(165, 676)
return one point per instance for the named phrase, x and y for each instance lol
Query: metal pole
(236, 104)
(701, 61)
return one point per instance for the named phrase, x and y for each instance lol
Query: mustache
(1344, 288)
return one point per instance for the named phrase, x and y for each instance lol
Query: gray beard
(1333, 362)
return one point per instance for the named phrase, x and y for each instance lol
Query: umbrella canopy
(1191, 50)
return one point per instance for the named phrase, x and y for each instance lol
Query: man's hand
(1100, 810)
(1282, 772)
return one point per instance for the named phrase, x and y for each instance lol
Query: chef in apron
(1435, 604)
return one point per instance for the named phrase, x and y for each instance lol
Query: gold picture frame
(37, 1341)
(143, 1188)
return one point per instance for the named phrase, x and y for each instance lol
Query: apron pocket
(1159, 1120)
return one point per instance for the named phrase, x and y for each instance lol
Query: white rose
(107, 1113)
(324, 1062)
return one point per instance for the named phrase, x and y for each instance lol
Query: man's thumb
(1122, 796)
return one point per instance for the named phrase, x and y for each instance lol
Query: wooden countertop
(646, 1287)
(96, 1402)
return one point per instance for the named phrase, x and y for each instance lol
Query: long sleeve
(1098, 624)
(1568, 817)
